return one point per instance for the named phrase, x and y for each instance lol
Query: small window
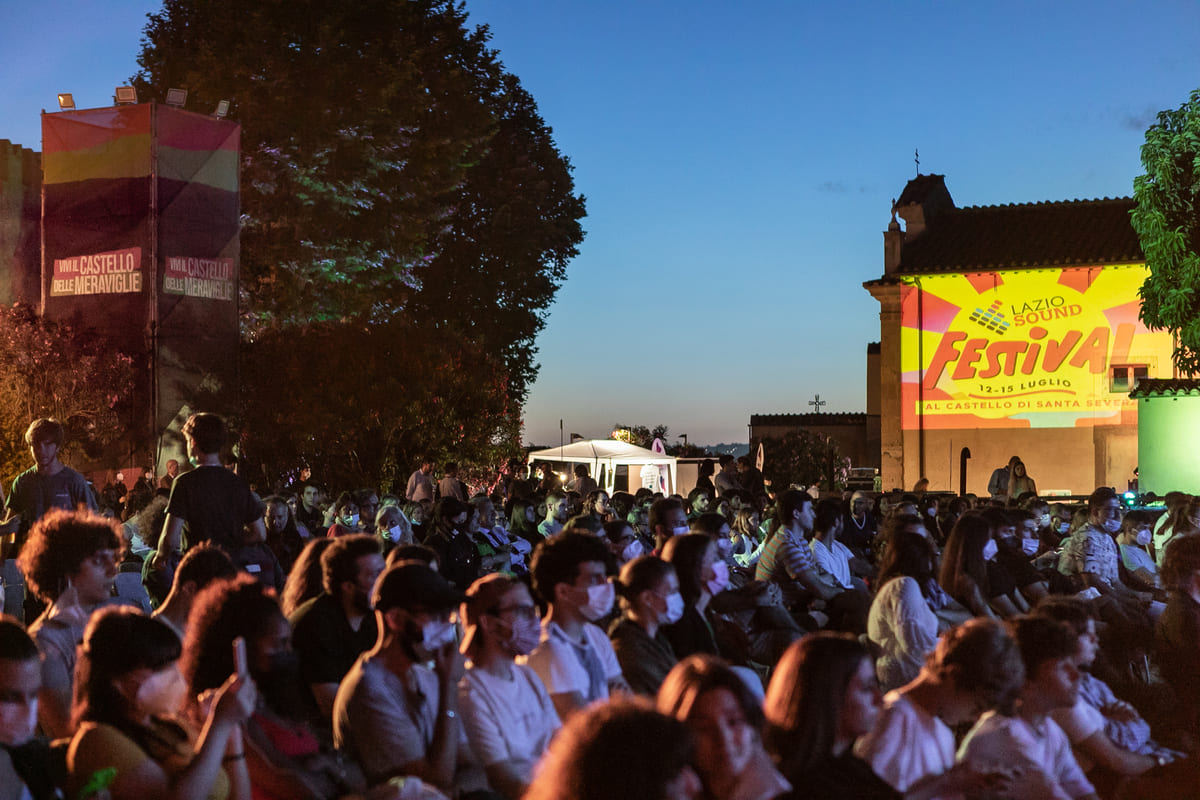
(1124, 378)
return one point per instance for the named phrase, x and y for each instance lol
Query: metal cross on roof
(817, 402)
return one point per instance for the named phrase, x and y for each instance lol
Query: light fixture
(125, 96)
(176, 97)
(222, 109)
(66, 101)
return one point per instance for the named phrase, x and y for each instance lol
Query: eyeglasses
(520, 612)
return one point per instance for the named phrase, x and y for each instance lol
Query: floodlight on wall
(125, 96)
(176, 97)
(222, 109)
(66, 101)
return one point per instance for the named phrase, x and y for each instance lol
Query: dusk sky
(739, 162)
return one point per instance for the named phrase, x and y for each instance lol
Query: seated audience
(726, 720)
(822, 698)
(69, 562)
(284, 756)
(26, 764)
(622, 750)
(650, 599)
(200, 566)
(395, 716)
(127, 707)
(902, 622)
(507, 714)
(1106, 733)
(1025, 738)
(974, 667)
(574, 658)
(331, 630)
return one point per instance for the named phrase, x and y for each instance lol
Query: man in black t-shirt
(212, 501)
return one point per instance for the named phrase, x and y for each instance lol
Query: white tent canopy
(607, 453)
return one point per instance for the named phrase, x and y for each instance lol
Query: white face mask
(436, 635)
(680, 531)
(1044, 520)
(1029, 546)
(393, 533)
(632, 550)
(720, 579)
(674, 610)
(931, 512)
(990, 549)
(599, 601)
(1112, 525)
(1143, 537)
(526, 634)
(350, 520)
(1063, 527)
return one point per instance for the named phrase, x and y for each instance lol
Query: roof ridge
(1044, 203)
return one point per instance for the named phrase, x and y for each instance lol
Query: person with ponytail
(650, 598)
(507, 713)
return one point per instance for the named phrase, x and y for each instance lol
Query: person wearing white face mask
(1090, 560)
(650, 599)
(574, 658)
(394, 715)
(622, 541)
(1133, 540)
(508, 716)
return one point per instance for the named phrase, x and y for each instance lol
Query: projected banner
(1023, 349)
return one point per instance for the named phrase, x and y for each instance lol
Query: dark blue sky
(739, 161)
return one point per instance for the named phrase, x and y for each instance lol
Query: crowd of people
(530, 639)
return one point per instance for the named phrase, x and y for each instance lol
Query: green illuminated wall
(1169, 443)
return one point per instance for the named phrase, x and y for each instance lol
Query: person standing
(212, 501)
(49, 483)
(998, 483)
(420, 485)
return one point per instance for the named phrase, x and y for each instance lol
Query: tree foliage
(54, 369)
(803, 458)
(1167, 221)
(362, 404)
(398, 186)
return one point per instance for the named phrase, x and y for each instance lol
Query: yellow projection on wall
(1038, 348)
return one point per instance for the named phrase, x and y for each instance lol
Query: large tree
(61, 370)
(1167, 221)
(395, 181)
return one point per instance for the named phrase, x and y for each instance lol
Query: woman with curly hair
(283, 754)
(69, 563)
(128, 698)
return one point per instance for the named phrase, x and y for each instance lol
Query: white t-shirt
(907, 744)
(557, 661)
(507, 721)
(833, 561)
(904, 627)
(1009, 741)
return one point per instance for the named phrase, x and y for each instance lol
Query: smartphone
(239, 657)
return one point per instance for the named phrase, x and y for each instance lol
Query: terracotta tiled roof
(846, 418)
(1028, 235)
(1165, 387)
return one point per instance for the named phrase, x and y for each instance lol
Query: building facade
(1011, 330)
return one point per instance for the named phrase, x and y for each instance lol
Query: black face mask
(280, 686)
